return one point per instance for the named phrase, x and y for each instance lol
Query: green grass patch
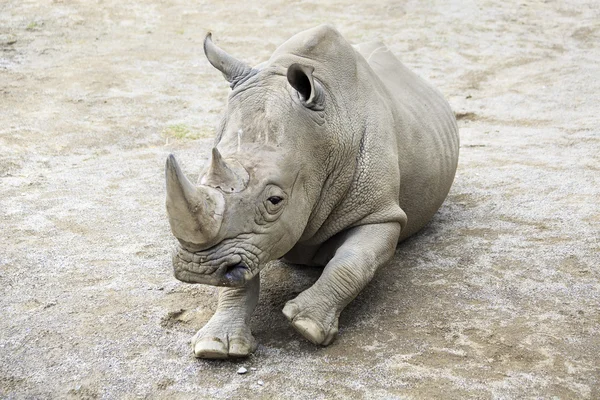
(183, 132)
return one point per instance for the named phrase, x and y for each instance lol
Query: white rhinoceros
(327, 155)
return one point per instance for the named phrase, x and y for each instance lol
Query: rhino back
(428, 142)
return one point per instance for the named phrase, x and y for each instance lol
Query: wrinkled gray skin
(327, 155)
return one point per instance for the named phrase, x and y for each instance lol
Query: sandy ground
(499, 297)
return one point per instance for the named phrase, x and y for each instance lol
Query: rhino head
(253, 200)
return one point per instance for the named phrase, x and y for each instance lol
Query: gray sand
(499, 297)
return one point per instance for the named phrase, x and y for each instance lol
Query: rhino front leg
(356, 257)
(227, 333)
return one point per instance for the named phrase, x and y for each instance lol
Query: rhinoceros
(327, 155)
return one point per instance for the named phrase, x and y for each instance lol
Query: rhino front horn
(195, 213)
(232, 69)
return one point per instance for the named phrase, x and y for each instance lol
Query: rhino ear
(234, 70)
(310, 91)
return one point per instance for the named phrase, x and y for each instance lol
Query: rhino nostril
(236, 272)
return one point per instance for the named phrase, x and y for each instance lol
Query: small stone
(252, 369)
(242, 371)
(260, 383)
(50, 304)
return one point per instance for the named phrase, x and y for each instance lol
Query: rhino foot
(317, 324)
(221, 338)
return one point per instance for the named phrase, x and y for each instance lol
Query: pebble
(260, 383)
(242, 371)
(252, 369)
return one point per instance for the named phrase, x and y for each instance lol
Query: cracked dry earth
(498, 297)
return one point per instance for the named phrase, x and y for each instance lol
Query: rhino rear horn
(300, 77)
(195, 213)
(232, 69)
(222, 176)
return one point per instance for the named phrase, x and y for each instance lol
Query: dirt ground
(499, 297)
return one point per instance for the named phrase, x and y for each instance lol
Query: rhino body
(327, 155)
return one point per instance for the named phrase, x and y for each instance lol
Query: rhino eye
(275, 200)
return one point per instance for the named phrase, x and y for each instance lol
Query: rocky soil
(499, 297)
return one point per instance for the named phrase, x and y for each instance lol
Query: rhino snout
(193, 267)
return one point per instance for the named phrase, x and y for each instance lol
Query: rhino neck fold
(334, 187)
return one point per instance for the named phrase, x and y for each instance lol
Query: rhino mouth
(200, 267)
